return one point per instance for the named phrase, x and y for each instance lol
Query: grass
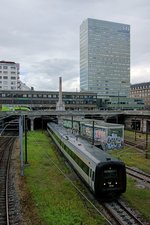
(133, 157)
(137, 196)
(55, 198)
(137, 137)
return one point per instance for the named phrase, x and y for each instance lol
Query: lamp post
(72, 124)
(21, 146)
(118, 100)
(146, 147)
(25, 140)
(93, 133)
(135, 128)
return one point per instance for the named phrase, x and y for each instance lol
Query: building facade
(48, 99)
(105, 58)
(142, 91)
(9, 75)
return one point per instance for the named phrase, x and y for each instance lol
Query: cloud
(140, 74)
(43, 36)
(48, 73)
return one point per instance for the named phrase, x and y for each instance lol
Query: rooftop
(8, 62)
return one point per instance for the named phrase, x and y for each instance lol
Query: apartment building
(142, 91)
(9, 75)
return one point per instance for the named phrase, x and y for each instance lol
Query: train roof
(94, 153)
(97, 123)
(104, 125)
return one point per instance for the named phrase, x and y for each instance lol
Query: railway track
(115, 212)
(139, 145)
(4, 170)
(7, 207)
(122, 214)
(138, 174)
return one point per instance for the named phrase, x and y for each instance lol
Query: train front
(110, 180)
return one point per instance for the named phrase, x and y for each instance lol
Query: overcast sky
(43, 36)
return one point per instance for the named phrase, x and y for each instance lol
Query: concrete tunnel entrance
(39, 123)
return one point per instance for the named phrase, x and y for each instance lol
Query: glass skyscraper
(105, 58)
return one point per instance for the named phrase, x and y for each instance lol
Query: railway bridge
(132, 120)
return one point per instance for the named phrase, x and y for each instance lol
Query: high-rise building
(105, 58)
(9, 75)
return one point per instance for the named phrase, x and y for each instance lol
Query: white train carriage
(105, 175)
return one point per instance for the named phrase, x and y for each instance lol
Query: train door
(91, 178)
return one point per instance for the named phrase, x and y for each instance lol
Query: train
(14, 108)
(104, 175)
(107, 136)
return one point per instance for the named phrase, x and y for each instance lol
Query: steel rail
(5, 163)
(121, 214)
(7, 180)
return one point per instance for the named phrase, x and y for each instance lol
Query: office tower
(9, 75)
(105, 58)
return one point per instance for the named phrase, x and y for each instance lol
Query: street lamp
(118, 100)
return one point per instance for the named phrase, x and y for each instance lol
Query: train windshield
(110, 178)
(110, 174)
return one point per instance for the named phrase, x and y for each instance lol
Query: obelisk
(60, 106)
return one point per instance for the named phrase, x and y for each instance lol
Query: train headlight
(104, 184)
